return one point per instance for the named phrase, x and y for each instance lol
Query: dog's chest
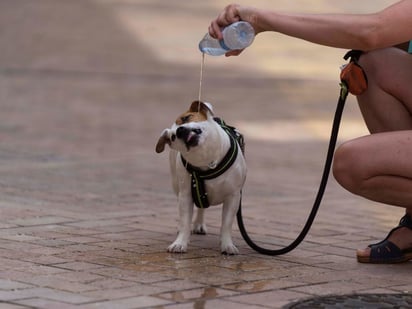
(219, 188)
(215, 185)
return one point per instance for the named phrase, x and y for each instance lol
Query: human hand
(230, 14)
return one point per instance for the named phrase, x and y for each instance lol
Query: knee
(369, 59)
(346, 168)
(374, 62)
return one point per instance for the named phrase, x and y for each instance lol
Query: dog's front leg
(199, 226)
(230, 207)
(185, 221)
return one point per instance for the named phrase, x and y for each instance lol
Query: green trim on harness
(199, 176)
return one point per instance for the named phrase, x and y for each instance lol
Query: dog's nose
(181, 132)
(185, 133)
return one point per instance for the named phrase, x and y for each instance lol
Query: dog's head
(189, 130)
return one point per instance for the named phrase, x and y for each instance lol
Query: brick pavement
(86, 205)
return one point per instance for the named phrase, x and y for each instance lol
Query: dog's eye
(173, 137)
(186, 118)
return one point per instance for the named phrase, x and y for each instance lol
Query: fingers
(228, 16)
(214, 30)
(236, 52)
(231, 14)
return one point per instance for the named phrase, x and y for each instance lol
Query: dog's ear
(201, 107)
(163, 140)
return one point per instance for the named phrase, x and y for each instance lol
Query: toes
(177, 248)
(229, 250)
(363, 252)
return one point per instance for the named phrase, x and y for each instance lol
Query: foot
(181, 242)
(402, 238)
(399, 240)
(229, 249)
(177, 247)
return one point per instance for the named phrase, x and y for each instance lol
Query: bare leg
(387, 104)
(379, 166)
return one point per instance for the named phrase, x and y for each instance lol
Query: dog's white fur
(204, 147)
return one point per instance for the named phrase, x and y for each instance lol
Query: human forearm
(342, 31)
(388, 27)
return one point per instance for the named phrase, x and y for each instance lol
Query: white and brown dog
(208, 168)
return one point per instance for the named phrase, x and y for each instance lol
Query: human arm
(385, 28)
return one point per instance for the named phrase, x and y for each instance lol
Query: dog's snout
(190, 136)
(181, 132)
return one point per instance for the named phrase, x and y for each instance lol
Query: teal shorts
(410, 47)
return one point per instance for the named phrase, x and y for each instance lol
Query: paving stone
(47, 293)
(45, 303)
(45, 220)
(215, 303)
(196, 294)
(78, 266)
(12, 306)
(263, 285)
(269, 299)
(133, 302)
(87, 208)
(348, 287)
(126, 291)
(12, 285)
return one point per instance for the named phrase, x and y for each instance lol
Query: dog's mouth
(190, 136)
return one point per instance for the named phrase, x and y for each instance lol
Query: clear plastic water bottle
(238, 35)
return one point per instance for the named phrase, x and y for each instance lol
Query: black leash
(352, 79)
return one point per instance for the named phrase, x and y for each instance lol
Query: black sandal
(386, 252)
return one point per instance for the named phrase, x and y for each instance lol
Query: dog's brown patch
(196, 113)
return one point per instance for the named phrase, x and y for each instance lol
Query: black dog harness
(199, 176)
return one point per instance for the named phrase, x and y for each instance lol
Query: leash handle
(347, 85)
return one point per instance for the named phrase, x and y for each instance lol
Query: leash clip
(344, 91)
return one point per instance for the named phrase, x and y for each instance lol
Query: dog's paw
(229, 249)
(177, 247)
(199, 229)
